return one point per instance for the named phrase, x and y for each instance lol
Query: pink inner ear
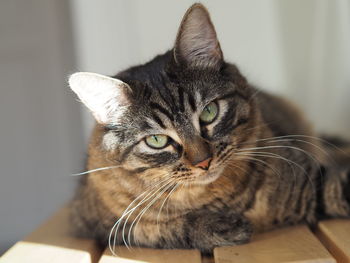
(106, 98)
(197, 43)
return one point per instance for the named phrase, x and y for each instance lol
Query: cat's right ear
(107, 98)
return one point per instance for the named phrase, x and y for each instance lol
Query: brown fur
(276, 172)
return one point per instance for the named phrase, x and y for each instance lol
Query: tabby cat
(187, 154)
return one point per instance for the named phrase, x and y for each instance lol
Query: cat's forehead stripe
(161, 109)
(191, 102)
(157, 120)
(181, 99)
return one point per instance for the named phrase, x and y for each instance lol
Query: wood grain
(335, 235)
(143, 255)
(294, 244)
(53, 243)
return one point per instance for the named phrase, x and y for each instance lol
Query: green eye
(157, 141)
(209, 113)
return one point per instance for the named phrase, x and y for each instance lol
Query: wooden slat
(294, 244)
(335, 235)
(143, 255)
(51, 242)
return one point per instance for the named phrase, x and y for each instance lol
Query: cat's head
(179, 116)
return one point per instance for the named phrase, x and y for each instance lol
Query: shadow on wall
(41, 132)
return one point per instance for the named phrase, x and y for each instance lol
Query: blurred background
(296, 48)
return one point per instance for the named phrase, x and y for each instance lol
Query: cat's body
(255, 166)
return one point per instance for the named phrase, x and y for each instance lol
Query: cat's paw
(210, 230)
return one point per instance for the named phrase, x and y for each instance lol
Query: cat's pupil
(209, 113)
(157, 141)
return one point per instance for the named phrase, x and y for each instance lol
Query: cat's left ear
(196, 42)
(107, 98)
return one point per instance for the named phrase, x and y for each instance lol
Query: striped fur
(268, 169)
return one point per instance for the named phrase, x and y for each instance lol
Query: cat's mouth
(207, 177)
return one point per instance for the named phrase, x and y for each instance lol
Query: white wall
(297, 48)
(315, 41)
(40, 122)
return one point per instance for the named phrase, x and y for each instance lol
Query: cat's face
(178, 116)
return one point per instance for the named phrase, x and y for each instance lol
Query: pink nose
(204, 164)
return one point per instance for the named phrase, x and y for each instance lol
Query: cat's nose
(204, 164)
(197, 152)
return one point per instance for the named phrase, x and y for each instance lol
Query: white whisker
(261, 161)
(151, 193)
(96, 170)
(303, 141)
(144, 210)
(282, 146)
(147, 192)
(165, 199)
(305, 136)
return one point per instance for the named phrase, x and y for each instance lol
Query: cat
(187, 154)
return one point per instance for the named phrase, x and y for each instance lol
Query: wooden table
(51, 242)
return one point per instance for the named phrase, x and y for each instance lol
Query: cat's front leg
(208, 230)
(203, 230)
